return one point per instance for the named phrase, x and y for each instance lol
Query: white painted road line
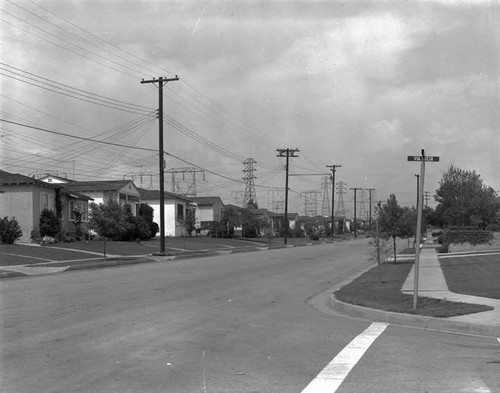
(332, 376)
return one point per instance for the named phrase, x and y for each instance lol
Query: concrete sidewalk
(432, 283)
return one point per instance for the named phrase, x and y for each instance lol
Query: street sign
(427, 158)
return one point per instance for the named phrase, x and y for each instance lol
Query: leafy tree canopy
(464, 200)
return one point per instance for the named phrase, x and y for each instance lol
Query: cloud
(386, 135)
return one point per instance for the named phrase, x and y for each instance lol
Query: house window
(47, 202)
(180, 211)
(71, 210)
(81, 206)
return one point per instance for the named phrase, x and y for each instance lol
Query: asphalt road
(251, 322)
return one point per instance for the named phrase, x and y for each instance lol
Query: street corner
(17, 271)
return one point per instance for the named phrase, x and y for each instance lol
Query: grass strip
(386, 294)
(475, 275)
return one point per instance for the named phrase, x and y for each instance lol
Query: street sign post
(422, 159)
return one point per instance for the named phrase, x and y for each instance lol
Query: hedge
(467, 236)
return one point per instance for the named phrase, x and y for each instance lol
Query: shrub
(155, 228)
(10, 230)
(49, 224)
(116, 223)
(467, 236)
(493, 227)
(443, 249)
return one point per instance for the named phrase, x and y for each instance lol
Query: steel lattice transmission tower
(325, 185)
(250, 198)
(340, 206)
(275, 201)
(187, 185)
(311, 203)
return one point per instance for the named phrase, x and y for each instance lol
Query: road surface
(248, 322)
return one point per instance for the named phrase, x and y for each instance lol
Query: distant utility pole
(161, 81)
(370, 190)
(355, 222)
(332, 168)
(286, 153)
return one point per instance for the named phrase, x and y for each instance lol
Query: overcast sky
(362, 84)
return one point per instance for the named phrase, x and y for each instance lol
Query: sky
(361, 84)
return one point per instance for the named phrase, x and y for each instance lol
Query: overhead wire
(193, 97)
(179, 126)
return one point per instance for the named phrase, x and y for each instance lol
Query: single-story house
(102, 191)
(25, 198)
(176, 210)
(209, 212)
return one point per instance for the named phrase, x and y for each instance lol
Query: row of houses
(25, 198)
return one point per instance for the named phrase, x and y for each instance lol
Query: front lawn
(369, 292)
(477, 275)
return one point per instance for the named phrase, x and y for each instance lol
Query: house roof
(207, 201)
(11, 179)
(99, 185)
(56, 177)
(155, 195)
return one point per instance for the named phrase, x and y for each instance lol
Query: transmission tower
(311, 202)
(340, 206)
(250, 199)
(275, 201)
(237, 197)
(325, 185)
(184, 180)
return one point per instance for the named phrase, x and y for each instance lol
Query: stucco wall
(204, 213)
(19, 204)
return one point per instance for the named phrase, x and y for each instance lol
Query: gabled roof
(97, 185)
(61, 179)
(207, 201)
(13, 179)
(155, 195)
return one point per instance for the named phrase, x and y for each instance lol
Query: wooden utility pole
(332, 168)
(355, 222)
(161, 81)
(286, 153)
(370, 190)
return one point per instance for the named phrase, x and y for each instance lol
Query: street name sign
(426, 158)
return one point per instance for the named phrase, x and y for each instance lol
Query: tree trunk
(394, 242)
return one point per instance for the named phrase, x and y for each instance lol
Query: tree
(10, 230)
(395, 221)
(107, 220)
(118, 223)
(380, 248)
(146, 212)
(464, 200)
(49, 223)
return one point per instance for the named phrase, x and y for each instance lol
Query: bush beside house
(10, 230)
(115, 222)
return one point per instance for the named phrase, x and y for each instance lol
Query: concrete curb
(412, 320)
